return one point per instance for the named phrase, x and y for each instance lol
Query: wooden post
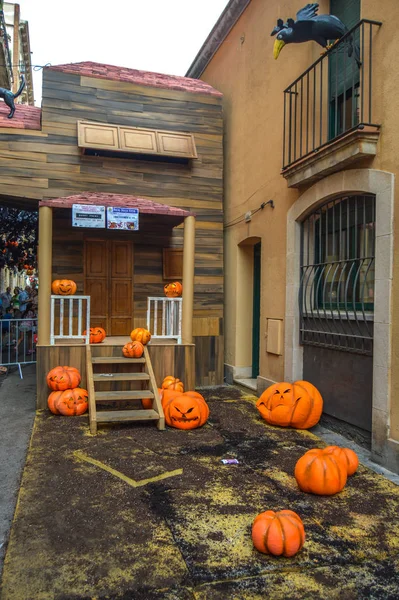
(188, 279)
(15, 49)
(45, 273)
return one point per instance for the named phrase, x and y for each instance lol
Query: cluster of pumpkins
(68, 287)
(319, 471)
(183, 410)
(66, 398)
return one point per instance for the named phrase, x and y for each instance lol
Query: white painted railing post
(71, 302)
(171, 317)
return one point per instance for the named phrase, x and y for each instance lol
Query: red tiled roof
(122, 200)
(171, 82)
(25, 117)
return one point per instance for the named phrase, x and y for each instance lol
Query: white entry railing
(72, 315)
(164, 317)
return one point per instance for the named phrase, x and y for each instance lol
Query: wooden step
(121, 377)
(101, 360)
(123, 395)
(126, 415)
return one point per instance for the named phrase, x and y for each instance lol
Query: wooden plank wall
(48, 164)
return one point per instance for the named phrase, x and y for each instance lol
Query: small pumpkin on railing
(173, 290)
(63, 287)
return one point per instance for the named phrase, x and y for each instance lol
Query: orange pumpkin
(279, 533)
(73, 402)
(63, 378)
(140, 335)
(172, 383)
(133, 350)
(320, 471)
(52, 400)
(173, 290)
(63, 287)
(347, 455)
(187, 411)
(97, 335)
(168, 395)
(296, 405)
(146, 402)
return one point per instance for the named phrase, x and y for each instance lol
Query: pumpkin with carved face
(173, 290)
(63, 287)
(186, 411)
(73, 402)
(133, 350)
(97, 335)
(63, 378)
(297, 405)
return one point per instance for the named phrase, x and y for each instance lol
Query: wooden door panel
(121, 326)
(121, 260)
(122, 299)
(96, 259)
(98, 292)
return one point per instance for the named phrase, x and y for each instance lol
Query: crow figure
(311, 26)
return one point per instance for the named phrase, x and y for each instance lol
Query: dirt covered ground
(135, 513)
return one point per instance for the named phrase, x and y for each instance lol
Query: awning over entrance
(174, 216)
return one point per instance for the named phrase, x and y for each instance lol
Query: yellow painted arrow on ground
(81, 456)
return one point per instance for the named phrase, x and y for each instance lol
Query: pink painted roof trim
(97, 198)
(147, 78)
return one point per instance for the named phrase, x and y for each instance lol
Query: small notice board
(123, 218)
(87, 215)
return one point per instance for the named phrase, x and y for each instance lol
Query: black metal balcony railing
(332, 97)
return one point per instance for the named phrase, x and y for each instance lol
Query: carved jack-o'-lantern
(72, 402)
(63, 287)
(63, 378)
(133, 350)
(173, 290)
(97, 335)
(187, 411)
(296, 405)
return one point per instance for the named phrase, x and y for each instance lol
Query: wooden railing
(164, 317)
(69, 318)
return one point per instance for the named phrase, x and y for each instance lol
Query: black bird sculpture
(311, 26)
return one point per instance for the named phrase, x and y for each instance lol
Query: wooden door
(109, 283)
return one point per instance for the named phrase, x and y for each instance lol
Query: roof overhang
(224, 24)
(170, 214)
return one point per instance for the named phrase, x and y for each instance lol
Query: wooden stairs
(116, 386)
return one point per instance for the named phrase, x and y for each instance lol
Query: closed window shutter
(348, 11)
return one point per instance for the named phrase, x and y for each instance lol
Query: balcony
(328, 121)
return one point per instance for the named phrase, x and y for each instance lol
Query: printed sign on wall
(87, 215)
(122, 218)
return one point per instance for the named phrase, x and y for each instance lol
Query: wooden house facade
(110, 136)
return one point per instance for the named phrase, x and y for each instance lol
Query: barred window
(337, 275)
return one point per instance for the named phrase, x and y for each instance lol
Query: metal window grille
(336, 295)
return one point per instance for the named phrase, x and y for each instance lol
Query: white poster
(122, 218)
(87, 215)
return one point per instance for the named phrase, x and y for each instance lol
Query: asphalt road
(17, 412)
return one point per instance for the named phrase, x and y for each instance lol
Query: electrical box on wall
(274, 336)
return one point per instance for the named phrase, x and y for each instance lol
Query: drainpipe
(45, 273)
(188, 280)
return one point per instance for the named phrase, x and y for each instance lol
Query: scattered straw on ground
(139, 513)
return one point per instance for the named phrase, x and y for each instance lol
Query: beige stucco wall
(252, 82)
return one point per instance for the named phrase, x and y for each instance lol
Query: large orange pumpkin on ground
(278, 533)
(140, 335)
(72, 402)
(63, 378)
(187, 411)
(347, 455)
(172, 383)
(133, 350)
(168, 395)
(321, 472)
(173, 290)
(63, 287)
(97, 335)
(297, 404)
